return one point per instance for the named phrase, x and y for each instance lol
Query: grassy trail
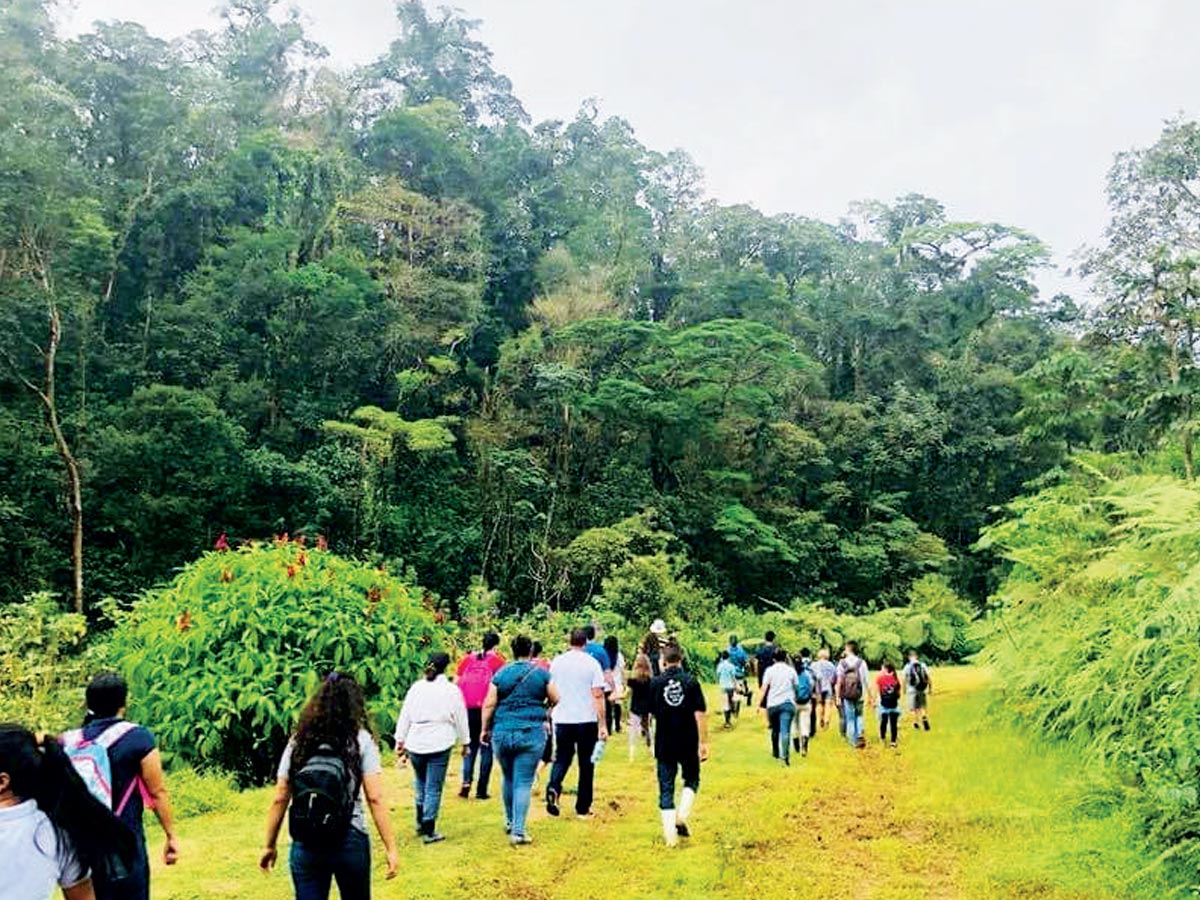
(960, 812)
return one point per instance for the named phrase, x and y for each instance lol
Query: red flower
(222, 545)
(184, 622)
(302, 559)
(291, 571)
(322, 544)
(282, 539)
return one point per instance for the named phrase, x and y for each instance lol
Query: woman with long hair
(639, 702)
(616, 693)
(53, 832)
(330, 763)
(514, 723)
(433, 717)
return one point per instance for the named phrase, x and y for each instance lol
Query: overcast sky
(1005, 110)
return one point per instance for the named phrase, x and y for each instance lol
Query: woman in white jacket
(432, 719)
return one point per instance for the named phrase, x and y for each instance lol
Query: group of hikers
(71, 807)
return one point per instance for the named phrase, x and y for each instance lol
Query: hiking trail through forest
(971, 809)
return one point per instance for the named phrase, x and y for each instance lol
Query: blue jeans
(429, 776)
(569, 740)
(133, 884)
(667, 770)
(350, 865)
(852, 715)
(518, 753)
(477, 750)
(780, 718)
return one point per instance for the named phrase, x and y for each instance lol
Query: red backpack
(474, 678)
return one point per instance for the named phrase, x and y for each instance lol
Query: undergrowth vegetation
(1098, 632)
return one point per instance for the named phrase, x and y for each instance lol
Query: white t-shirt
(368, 754)
(780, 683)
(35, 863)
(575, 674)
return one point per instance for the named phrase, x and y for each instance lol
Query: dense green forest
(243, 293)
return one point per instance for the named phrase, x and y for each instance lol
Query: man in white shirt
(578, 722)
(779, 684)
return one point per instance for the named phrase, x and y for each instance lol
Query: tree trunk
(74, 481)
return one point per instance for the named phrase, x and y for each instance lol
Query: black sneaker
(552, 802)
(926, 724)
(681, 829)
(465, 793)
(483, 796)
(435, 838)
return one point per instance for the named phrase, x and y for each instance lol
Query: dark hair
(105, 696)
(590, 631)
(805, 653)
(724, 654)
(612, 648)
(44, 774)
(888, 667)
(781, 655)
(912, 651)
(333, 717)
(769, 636)
(733, 639)
(537, 649)
(672, 653)
(491, 641)
(578, 637)
(522, 647)
(852, 647)
(436, 666)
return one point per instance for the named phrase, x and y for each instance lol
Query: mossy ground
(969, 810)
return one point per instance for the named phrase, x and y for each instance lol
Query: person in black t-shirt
(764, 656)
(680, 740)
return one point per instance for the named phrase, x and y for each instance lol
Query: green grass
(968, 810)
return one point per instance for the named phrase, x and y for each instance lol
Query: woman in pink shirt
(474, 677)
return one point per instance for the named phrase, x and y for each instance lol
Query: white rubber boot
(668, 823)
(687, 799)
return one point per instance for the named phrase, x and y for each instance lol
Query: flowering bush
(222, 659)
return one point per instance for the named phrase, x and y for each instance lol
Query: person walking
(887, 697)
(136, 779)
(578, 722)
(741, 662)
(514, 724)
(825, 671)
(851, 688)
(803, 723)
(920, 686)
(614, 677)
(473, 677)
(329, 765)
(653, 643)
(680, 741)
(53, 832)
(432, 719)
(540, 662)
(779, 697)
(764, 656)
(639, 702)
(727, 682)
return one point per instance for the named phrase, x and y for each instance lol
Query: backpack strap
(72, 738)
(114, 733)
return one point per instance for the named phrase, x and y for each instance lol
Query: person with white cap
(654, 643)
(680, 741)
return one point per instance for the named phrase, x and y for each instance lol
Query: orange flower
(184, 622)
(291, 571)
(226, 576)
(302, 559)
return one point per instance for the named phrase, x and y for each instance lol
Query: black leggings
(612, 716)
(889, 719)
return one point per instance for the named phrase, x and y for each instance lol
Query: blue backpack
(805, 685)
(91, 761)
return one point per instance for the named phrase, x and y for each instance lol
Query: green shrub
(199, 793)
(1097, 629)
(221, 660)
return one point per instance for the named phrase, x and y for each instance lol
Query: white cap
(659, 627)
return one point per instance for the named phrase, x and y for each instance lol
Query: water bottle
(598, 752)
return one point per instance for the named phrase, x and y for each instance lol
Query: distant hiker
(614, 675)
(887, 696)
(680, 741)
(727, 682)
(741, 662)
(473, 677)
(514, 724)
(920, 686)
(639, 702)
(779, 697)
(53, 831)
(596, 651)
(330, 763)
(578, 722)
(764, 656)
(432, 719)
(826, 672)
(135, 779)
(652, 645)
(804, 722)
(851, 688)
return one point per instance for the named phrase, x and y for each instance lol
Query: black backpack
(323, 794)
(920, 677)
